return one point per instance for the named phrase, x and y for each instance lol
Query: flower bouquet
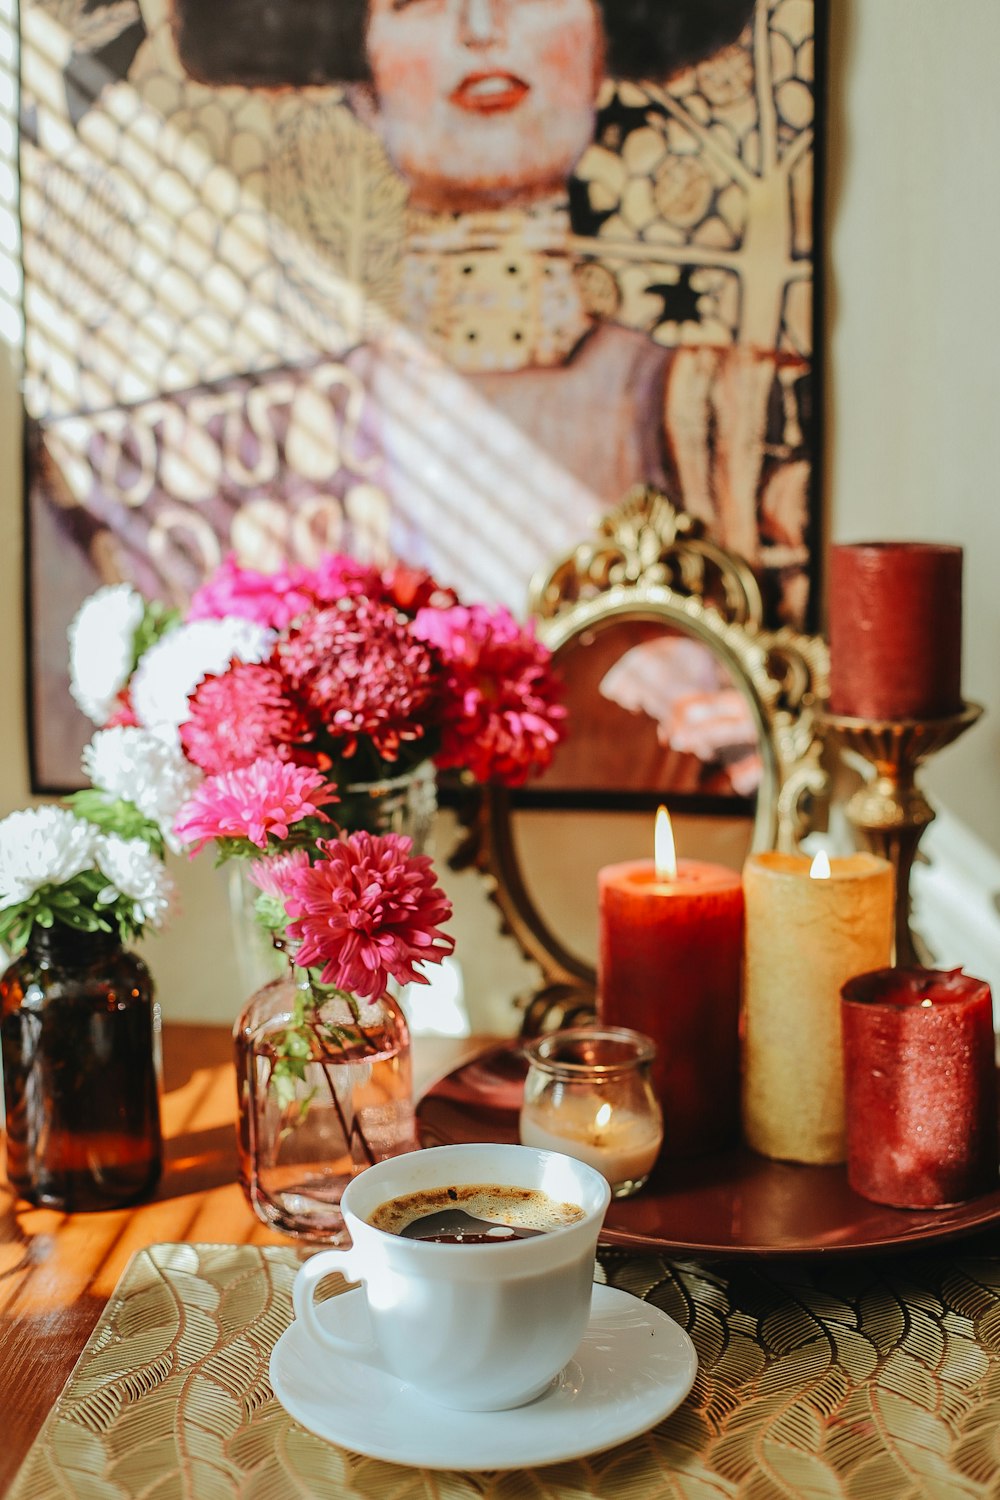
(358, 672)
(286, 692)
(298, 699)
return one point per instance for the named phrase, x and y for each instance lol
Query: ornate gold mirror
(676, 694)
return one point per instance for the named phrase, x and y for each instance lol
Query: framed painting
(436, 280)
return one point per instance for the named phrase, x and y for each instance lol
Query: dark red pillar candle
(920, 1086)
(895, 626)
(669, 965)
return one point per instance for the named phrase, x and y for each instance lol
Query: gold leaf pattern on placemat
(853, 1379)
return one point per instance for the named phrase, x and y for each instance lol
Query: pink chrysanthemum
(501, 719)
(270, 875)
(252, 803)
(271, 599)
(337, 576)
(368, 911)
(358, 667)
(241, 716)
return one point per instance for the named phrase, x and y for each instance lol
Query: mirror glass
(560, 858)
(655, 716)
(652, 710)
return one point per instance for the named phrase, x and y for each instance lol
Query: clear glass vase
(325, 1089)
(80, 1034)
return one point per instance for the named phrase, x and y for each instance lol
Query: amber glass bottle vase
(79, 1031)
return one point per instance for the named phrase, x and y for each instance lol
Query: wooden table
(57, 1271)
(833, 1377)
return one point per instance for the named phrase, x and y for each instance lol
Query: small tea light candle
(920, 1087)
(588, 1094)
(669, 962)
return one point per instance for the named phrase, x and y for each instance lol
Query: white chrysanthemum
(102, 646)
(133, 871)
(172, 668)
(142, 767)
(42, 846)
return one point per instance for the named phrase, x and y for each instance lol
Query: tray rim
(909, 1228)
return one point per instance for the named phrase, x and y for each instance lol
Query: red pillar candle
(895, 626)
(920, 1087)
(669, 961)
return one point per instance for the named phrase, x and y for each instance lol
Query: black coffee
(474, 1214)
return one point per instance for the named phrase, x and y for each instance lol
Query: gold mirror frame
(649, 562)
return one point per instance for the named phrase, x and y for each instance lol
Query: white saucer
(634, 1367)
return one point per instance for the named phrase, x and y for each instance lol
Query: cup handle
(310, 1273)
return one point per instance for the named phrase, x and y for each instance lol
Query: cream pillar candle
(806, 935)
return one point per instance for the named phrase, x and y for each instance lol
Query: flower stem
(355, 1126)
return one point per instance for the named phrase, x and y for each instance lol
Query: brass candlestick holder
(890, 811)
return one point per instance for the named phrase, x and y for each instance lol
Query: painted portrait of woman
(446, 278)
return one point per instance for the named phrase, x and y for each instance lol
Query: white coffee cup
(475, 1327)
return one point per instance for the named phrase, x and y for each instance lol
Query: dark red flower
(413, 589)
(360, 670)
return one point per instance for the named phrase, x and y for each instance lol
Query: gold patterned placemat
(876, 1378)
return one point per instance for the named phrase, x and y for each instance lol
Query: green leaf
(76, 904)
(157, 620)
(62, 897)
(116, 815)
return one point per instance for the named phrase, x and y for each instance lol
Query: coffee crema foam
(527, 1210)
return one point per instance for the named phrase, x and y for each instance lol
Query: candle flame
(927, 1003)
(820, 867)
(664, 853)
(603, 1116)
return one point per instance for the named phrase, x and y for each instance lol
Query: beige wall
(913, 320)
(913, 440)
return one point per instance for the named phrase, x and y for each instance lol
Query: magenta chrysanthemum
(501, 718)
(252, 803)
(271, 599)
(337, 576)
(368, 911)
(358, 667)
(239, 717)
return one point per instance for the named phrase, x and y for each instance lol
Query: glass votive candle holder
(589, 1094)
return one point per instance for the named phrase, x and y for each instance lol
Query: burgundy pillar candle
(919, 1086)
(895, 624)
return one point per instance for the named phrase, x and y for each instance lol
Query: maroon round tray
(733, 1203)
